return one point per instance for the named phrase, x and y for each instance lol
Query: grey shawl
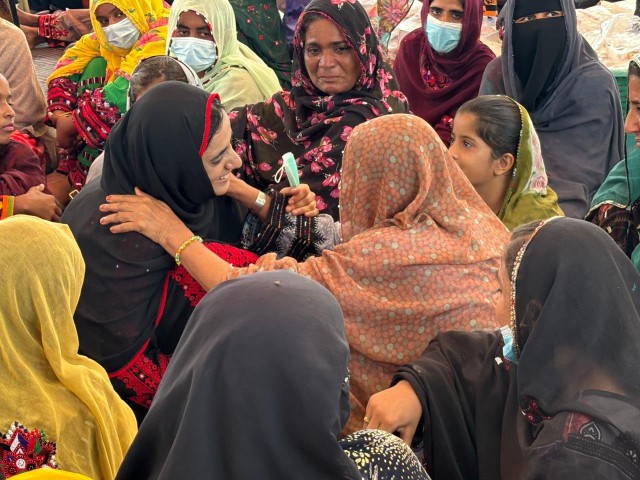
(580, 123)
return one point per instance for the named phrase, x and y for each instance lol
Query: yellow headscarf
(45, 383)
(50, 474)
(149, 16)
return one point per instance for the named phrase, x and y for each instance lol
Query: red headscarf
(439, 84)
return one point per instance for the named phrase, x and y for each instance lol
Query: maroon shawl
(20, 169)
(437, 85)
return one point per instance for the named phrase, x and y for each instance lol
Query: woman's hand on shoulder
(140, 213)
(302, 200)
(396, 409)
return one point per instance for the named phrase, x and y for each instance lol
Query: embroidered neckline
(23, 450)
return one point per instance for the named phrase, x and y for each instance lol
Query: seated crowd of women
(411, 303)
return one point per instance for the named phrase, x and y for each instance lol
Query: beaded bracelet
(186, 243)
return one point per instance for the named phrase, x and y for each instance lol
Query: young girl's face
(7, 113)
(470, 152)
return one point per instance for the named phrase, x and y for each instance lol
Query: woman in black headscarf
(259, 389)
(557, 392)
(548, 67)
(173, 144)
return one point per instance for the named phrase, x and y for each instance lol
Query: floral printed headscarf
(420, 251)
(529, 197)
(310, 124)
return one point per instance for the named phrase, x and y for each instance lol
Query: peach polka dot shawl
(420, 255)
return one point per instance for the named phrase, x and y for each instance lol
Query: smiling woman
(135, 301)
(616, 206)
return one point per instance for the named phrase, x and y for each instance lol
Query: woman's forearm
(202, 264)
(246, 196)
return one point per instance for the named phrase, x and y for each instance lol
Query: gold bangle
(186, 243)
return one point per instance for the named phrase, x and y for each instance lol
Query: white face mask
(198, 53)
(123, 34)
(444, 37)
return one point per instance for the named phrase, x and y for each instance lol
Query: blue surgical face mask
(508, 350)
(444, 37)
(198, 53)
(123, 34)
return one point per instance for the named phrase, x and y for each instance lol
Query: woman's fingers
(302, 201)
(407, 434)
(140, 193)
(112, 218)
(128, 198)
(124, 228)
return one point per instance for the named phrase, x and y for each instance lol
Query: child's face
(471, 153)
(6, 112)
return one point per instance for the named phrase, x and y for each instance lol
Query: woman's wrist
(250, 198)
(175, 238)
(56, 114)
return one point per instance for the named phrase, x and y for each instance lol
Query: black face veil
(539, 47)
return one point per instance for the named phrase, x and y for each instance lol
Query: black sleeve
(462, 390)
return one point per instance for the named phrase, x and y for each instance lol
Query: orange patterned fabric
(421, 251)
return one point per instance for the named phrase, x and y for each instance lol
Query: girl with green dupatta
(495, 144)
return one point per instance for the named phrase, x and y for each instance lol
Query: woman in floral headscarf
(496, 146)
(88, 88)
(340, 80)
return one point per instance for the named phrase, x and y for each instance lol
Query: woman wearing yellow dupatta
(202, 34)
(59, 409)
(88, 88)
(495, 144)
(49, 474)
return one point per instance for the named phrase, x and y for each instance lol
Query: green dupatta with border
(529, 196)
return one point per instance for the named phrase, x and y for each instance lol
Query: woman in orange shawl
(420, 251)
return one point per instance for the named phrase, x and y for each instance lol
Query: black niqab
(539, 48)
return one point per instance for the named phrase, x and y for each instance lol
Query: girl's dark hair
(634, 69)
(518, 238)
(307, 20)
(152, 69)
(498, 122)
